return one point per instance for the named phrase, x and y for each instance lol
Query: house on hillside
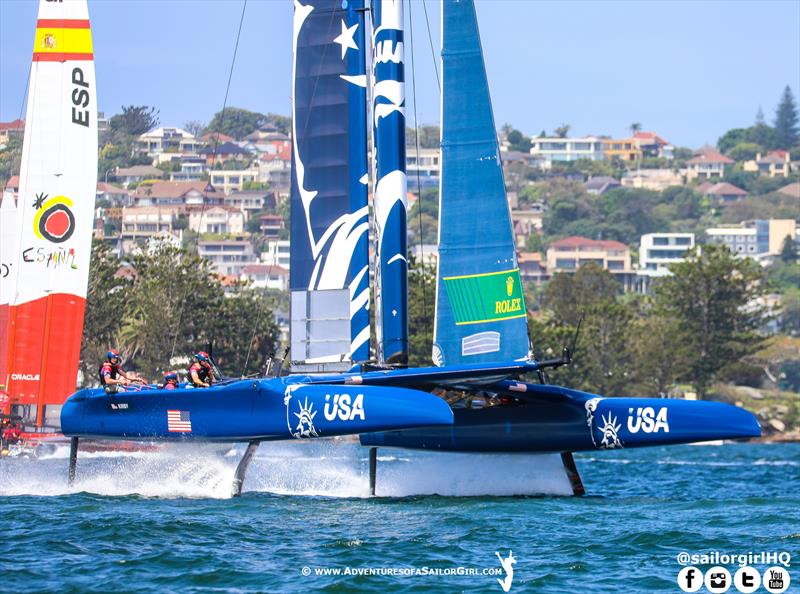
(569, 254)
(169, 193)
(707, 164)
(138, 173)
(773, 164)
(725, 192)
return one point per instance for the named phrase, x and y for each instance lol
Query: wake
(322, 468)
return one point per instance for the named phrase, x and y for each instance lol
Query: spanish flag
(59, 40)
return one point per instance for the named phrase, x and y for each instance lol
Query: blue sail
(389, 133)
(480, 306)
(329, 276)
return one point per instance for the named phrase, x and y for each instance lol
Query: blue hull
(555, 419)
(247, 410)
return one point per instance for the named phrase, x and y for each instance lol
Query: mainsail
(55, 206)
(480, 306)
(329, 214)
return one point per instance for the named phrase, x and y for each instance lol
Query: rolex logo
(510, 285)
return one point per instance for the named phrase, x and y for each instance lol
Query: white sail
(58, 178)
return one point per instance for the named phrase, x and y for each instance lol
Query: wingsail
(480, 305)
(329, 276)
(55, 207)
(389, 166)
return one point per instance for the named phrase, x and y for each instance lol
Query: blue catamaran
(481, 343)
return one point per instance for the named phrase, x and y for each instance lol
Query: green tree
(106, 299)
(134, 120)
(518, 141)
(421, 308)
(786, 131)
(660, 354)
(567, 296)
(245, 333)
(789, 250)
(429, 137)
(236, 122)
(562, 130)
(745, 151)
(713, 296)
(635, 127)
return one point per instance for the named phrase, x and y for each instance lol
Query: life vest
(203, 372)
(108, 369)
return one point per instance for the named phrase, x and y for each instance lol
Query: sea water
(164, 521)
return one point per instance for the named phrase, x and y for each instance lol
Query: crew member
(111, 373)
(200, 373)
(170, 380)
(12, 433)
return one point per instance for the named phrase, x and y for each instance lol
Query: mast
(389, 199)
(329, 275)
(480, 305)
(58, 180)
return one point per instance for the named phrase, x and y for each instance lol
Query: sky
(689, 70)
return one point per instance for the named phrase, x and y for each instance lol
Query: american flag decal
(178, 421)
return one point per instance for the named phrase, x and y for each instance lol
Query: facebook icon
(690, 579)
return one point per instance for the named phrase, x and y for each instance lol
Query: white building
(166, 140)
(264, 276)
(233, 179)
(277, 253)
(424, 165)
(658, 250)
(551, 150)
(228, 256)
(215, 219)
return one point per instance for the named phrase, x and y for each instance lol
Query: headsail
(58, 179)
(480, 306)
(8, 247)
(389, 132)
(329, 223)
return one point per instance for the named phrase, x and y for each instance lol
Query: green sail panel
(480, 306)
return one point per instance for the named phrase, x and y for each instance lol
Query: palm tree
(635, 127)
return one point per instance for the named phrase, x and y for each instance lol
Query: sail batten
(480, 305)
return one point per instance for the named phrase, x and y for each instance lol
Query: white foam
(310, 468)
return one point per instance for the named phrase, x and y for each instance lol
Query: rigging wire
(416, 148)
(213, 159)
(430, 40)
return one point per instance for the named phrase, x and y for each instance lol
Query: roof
(160, 132)
(201, 209)
(176, 189)
(139, 171)
(264, 269)
(271, 217)
(226, 148)
(792, 190)
(709, 156)
(110, 189)
(651, 136)
(216, 137)
(523, 257)
(15, 125)
(772, 158)
(725, 189)
(703, 188)
(284, 153)
(13, 182)
(576, 241)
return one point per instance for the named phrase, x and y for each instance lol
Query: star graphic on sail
(346, 38)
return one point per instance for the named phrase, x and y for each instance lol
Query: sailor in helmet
(112, 374)
(170, 380)
(200, 373)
